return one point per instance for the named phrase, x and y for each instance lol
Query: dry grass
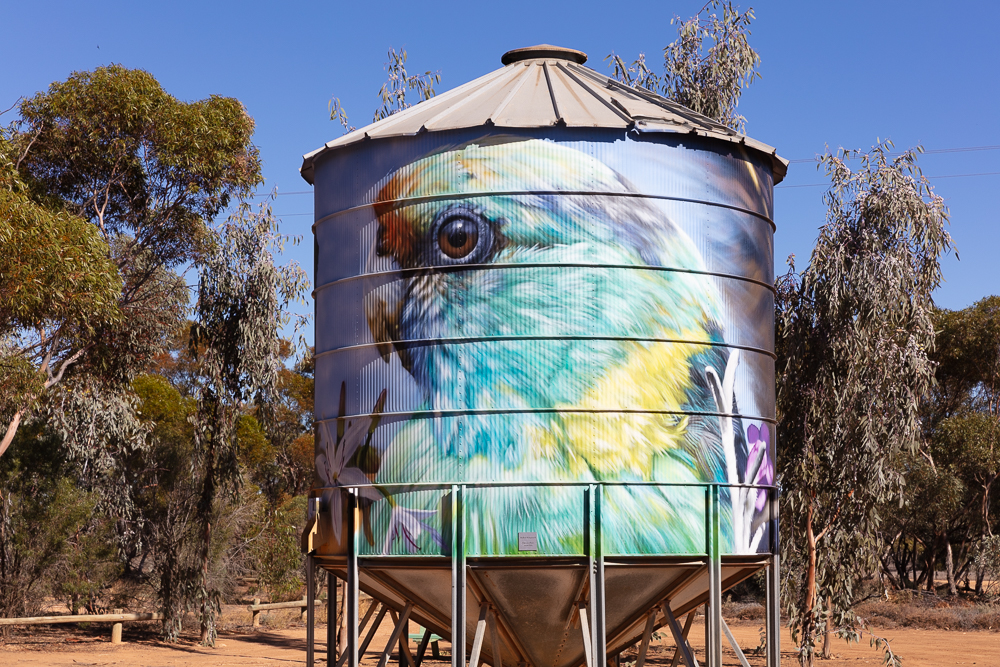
(742, 611)
(902, 611)
(931, 613)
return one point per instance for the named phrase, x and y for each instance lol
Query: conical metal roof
(546, 86)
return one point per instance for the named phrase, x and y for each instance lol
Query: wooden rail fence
(257, 607)
(116, 618)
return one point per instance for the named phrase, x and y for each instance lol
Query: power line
(816, 185)
(282, 194)
(936, 151)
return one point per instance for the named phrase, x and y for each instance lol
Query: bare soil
(240, 644)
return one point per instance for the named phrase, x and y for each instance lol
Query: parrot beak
(383, 307)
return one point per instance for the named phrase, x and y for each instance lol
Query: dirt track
(56, 648)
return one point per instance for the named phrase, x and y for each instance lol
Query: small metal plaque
(527, 541)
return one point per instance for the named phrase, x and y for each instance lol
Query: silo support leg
(477, 643)
(372, 629)
(598, 618)
(351, 656)
(588, 640)
(680, 636)
(646, 636)
(595, 561)
(332, 584)
(735, 644)
(687, 630)
(495, 650)
(713, 608)
(375, 606)
(422, 647)
(773, 613)
(458, 578)
(397, 632)
(310, 611)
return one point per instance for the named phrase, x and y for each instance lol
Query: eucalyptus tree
(706, 68)
(964, 415)
(394, 90)
(147, 173)
(57, 281)
(244, 301)
(853, 334)
(951, 503)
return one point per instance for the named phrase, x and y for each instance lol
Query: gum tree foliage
(706, 68)
(58, 286)
(853, 334)
(275, 551)
(287, 418)
(951, 499)
(54, 540)
(169, 485)
(147, 173)
(393, 92)
(965, 413)
(243, 304)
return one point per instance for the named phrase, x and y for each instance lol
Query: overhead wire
(936, 151)
(816, 185)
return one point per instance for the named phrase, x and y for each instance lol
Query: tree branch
(66, 364)
(831, 522)
(28, 147)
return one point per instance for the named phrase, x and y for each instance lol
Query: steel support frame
(773, 610)
(332, 586)
(595, 566)
(459, 575)
(680, 636)
(594, 615)
(353, 584)
(398, 636)
(713, 608)
(735, 644)
(310, 610)
(684, 637)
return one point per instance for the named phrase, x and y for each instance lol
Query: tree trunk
(827, 634)
(11, 431)
(205, 505)
(950, 567)
(808, 626)
(206, 622)
(929, 556)
(342, 620)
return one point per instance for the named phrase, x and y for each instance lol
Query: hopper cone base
(533, 603)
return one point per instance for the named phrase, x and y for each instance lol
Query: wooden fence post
(116, 630)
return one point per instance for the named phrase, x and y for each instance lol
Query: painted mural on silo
(515, 309)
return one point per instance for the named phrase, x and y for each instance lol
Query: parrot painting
(557, 327)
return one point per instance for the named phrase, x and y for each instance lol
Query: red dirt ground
(60, 647)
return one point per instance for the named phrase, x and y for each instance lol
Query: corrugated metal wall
(581, 333)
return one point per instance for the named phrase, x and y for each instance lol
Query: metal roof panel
(532, 106)
(543, 86)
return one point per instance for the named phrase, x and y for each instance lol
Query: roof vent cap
(543, 51)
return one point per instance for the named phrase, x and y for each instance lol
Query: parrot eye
(458, 237)
(462, 235)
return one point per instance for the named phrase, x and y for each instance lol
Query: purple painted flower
(409, 524)
(759, 460)
(334, 461)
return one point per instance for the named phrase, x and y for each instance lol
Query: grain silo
(545, 365)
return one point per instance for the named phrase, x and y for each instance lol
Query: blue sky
(834, 73)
